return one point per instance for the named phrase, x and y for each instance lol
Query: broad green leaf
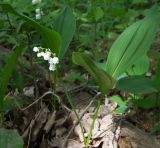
(10, 139)
(7, 73)
(136, 85)
(100, 65)
(140, 67)
(132, 44)
(65, 24)
(147, 103)
(51, 38)
(117, 99)
(156, 78)
(104, 80)
(121, 109)
(122, 105)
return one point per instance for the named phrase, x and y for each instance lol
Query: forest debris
(61, 121)
(40, 121)
(50, 122)
(75, 144)
(104, 132)
(106, 122)
(36, 125)
(76, 123)
(132, 137)
(109, 140)
(78, 132)
(57, 142)
(29, 91)
(60, 132)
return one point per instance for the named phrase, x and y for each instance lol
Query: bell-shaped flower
(36, 49)
(54, 60)
(47, 55)
(52, 67)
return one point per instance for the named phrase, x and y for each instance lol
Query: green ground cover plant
(123, 66)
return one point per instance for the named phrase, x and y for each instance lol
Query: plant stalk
(54, 89)
(94, 119)
(77, 116)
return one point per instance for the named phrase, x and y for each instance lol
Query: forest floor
(42, 128)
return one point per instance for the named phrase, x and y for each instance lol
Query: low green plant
(129, 47)
(10, 139)
(54, 50)
(7, 71)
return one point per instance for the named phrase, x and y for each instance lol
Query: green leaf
(147, 103)
(100, 65)
(65, 24)
(156, 78)
(10, 139)
(7, 73)
(121, 109)
(122, 104)
(8, 104)
(132, 44)
(17, 81)
(104, 80)
(51, 38)
(117, 99)
(98, 13)
(136, 85)
(140, 67)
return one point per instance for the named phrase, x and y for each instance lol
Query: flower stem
(54, 89)
(74, 109)
(93, 122)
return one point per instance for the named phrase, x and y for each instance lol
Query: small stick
(47, 93)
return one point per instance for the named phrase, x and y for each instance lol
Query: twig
(47, 93)
(40, 98)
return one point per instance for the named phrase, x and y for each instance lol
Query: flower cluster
(48, 56)
(38, 10)
(38, 13)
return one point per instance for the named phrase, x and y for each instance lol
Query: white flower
(47, 55)
(35, 1)
(54, 60)
(36, 49)
(40, 54)
(38, 16)
(52, 67)
(38, 11)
